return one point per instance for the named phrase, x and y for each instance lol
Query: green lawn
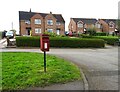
(21, 70)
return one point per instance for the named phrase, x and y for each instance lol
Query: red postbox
(44, 42)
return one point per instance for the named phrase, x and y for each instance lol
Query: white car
(10, 34)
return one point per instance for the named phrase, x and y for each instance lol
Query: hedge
(111, 40)
(101, 34)
(61, 42)
(75, 43)
(27, 41)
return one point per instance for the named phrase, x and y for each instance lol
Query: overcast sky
(68, 8)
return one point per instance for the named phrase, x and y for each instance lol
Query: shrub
(85, 36)
(60, 42)
(100, 34)
(51, 34)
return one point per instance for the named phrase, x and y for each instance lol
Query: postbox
(44, 42)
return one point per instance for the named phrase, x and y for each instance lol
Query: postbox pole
(44, 61)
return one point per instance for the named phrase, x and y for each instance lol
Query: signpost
(44, 45)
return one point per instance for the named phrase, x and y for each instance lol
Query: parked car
(10, 34)
(66, 33)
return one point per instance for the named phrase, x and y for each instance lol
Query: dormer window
(80, 24)
(111, 25)
(27, 21)
(37, 21)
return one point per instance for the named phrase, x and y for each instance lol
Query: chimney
(30, 10)
(50, 12)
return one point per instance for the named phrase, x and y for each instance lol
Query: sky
(68, 8)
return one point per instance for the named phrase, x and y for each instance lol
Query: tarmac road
(100, 66)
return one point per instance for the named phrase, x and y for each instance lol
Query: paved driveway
(99, 65)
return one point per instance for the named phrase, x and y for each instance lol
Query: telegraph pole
(12, 25)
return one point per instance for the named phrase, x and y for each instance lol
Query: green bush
(60, 42)
(85, 36)
(51, 34)
(100, 34)
(108, 39)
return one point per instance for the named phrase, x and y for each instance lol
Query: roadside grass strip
(21, 70)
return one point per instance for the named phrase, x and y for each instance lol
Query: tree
(91, 31)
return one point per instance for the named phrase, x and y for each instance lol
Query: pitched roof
(23, 15)
(85, 20)
(109, 20)
(59, 17)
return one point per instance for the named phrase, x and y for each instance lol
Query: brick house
(109, 25)
(36, 23)
(79, 25)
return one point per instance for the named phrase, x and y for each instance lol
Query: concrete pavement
(100, 66)
(3, 43)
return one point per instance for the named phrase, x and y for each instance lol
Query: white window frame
(49, 22)
(27, 21)
(97, 25)
(111, 24)
(50, 30)
(80, 25)
(37, 30)
(37, 21)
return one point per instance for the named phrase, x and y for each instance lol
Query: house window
(58, 23)
(37, 21)
(111, 25)
(71, 26)
(50, 22)
(37, 30)
(27, 21)
(97, 25)
(50, 30)
(80, 25)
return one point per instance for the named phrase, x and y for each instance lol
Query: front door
(28, 31)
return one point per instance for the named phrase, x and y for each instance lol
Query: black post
(44, 61)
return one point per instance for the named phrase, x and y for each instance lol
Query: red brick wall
(72, 26)
(22, 28)
(50, 17)
(33, 25)
(106, 27)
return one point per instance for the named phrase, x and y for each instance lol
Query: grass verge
(21, 70)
